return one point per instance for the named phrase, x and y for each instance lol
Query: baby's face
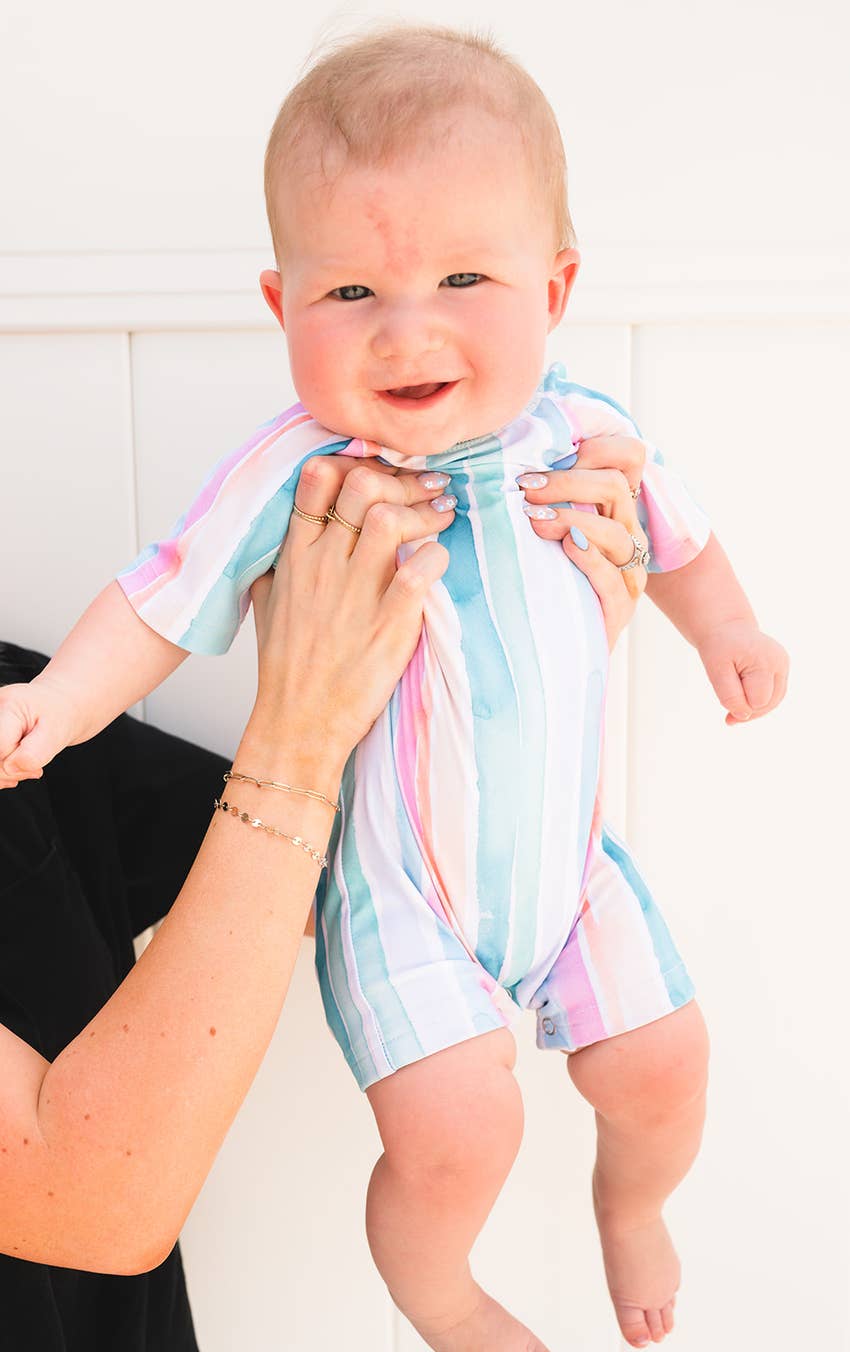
(436, 270)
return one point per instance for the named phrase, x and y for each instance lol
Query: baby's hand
(35, 725)
(749, 670)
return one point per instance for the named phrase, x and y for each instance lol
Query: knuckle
(618, 484)
(381, 519)
(317, 471)
(362, 481)
(410, 582)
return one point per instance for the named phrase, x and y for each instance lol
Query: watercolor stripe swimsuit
(471, 872)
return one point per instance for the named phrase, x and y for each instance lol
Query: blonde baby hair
(370, 96)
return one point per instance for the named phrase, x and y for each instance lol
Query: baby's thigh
(658, 1065)
(456, 1111)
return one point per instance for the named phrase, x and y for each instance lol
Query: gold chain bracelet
(284, 788)
(320, 859)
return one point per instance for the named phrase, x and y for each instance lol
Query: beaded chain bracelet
(320, 859)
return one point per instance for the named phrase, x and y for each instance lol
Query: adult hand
(340, 621)
(605, 472)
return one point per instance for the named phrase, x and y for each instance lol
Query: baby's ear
(272, 289)
(564, 270)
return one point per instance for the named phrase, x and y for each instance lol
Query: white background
(710, 196)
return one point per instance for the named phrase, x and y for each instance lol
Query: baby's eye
(352, 287)
(453, 275)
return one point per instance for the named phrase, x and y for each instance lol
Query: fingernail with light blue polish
(432, 480)
(579, 537)
(539, 513)
(568, 461)
(532, 480)
(445, 503)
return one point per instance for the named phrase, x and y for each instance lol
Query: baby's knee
(452, 1125)
(653, 1070)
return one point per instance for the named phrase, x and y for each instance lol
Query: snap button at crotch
(548, 1025)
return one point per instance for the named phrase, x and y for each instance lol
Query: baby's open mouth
(418, 391)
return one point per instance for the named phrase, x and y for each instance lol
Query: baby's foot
(643, 1273)
(487, 1326)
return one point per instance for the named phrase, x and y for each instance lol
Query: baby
(416, 192)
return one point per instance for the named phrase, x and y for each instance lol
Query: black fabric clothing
(90, 855)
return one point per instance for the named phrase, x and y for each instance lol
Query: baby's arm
(108, 661)
(690, 578)
(187, 593)
(708, 605)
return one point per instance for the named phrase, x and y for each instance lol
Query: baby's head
(416, 192)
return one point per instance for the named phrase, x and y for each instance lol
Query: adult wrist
(308, 762)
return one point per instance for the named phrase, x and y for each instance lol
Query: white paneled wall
(735, 828)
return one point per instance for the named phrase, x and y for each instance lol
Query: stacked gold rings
(332, 515)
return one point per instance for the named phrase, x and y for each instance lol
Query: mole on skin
(212, 1032)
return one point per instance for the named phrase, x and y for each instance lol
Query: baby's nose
(405, 335)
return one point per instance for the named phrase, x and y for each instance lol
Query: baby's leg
(451, 1126)
(648, 1089)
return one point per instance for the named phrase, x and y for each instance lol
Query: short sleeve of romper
(193, 586)
(676, 526)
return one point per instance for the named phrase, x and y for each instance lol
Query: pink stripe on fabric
(151, 575)
(234, 462)
(574, 991)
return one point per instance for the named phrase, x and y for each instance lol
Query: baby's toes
(633, 1325)
(655, 1325)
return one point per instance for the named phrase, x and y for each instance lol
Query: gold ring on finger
(635, 492)
(640, 557)
(308, 516)
(333, 515)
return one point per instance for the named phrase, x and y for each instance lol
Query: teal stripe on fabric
(344, 1021)
(371, 972)
(679, 985)
(524, 772)
(332, 1010)
(495, 728)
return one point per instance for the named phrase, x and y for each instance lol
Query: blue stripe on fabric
(679, 986)
(332, 1011)
(371, 973)
(523, 771)
(495, 727)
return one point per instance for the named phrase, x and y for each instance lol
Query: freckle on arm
(212, 1032)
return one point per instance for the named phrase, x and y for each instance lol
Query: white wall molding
(119, 292)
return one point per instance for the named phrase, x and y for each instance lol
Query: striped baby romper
(471, 874)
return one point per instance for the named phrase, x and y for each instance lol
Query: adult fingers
(322, 477)
(627, 454)
(363, 489)
(607, 489)
(611, 538)
(618, 602)
(388, 525)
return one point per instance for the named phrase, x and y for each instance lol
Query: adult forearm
(134, 1111)
(701, 596)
